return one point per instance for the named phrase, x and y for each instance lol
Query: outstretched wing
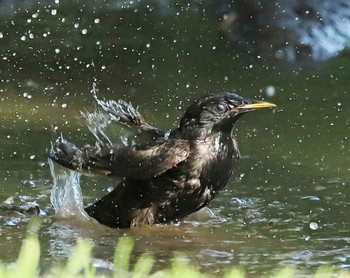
(124, 113)
(139, 162)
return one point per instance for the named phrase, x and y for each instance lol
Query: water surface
(286, 204)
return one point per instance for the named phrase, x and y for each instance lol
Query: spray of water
(66, 196)
(97, 123)
(107, 112)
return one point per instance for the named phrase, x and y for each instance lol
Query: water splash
(66, 196)
(107, 112)
(97, 122)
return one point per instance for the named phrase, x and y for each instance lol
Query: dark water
(286, 204)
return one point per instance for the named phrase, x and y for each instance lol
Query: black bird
(171, 175)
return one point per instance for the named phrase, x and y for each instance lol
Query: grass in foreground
(79, 264)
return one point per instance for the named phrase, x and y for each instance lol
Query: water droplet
(313, 226)
(270, 91)
(9, 201)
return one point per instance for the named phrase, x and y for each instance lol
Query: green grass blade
(235, 273)
(324, 271)
(2, 270)
(79, 261)
(287, 272)
(122, 257)
(344, 274)
(28, 259)
(180, 268)
(143, 266)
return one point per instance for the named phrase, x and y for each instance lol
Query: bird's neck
(201, 133)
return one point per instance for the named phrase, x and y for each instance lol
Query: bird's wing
(124, 113)
(139, 162)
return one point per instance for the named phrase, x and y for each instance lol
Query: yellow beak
(258, 105)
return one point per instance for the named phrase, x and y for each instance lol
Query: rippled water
(286, 204)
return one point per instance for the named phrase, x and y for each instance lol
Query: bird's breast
(214, 161)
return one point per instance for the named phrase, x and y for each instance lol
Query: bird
(169, 175)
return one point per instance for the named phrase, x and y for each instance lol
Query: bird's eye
(221, 107)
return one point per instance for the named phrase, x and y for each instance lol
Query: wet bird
(172, 174)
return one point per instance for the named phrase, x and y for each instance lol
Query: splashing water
(108, 112)
(97, 123)
(66, 196)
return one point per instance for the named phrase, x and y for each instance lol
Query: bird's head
(218, 112)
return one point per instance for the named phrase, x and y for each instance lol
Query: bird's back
(181, 190)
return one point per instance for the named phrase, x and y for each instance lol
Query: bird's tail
(87, 160)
